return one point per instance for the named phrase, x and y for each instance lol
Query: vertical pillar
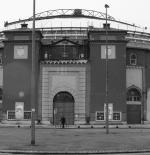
(33, 80)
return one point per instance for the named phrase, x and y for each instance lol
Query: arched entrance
(133, 106)
(63, 105)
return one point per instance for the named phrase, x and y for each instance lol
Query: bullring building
(70, 72)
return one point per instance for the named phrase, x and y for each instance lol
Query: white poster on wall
(110, 111)
(20, 52)
(19, 110)
(111, 52)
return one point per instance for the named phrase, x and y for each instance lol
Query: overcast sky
(132, 11)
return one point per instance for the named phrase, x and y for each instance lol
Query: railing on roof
(138, 36)
(59, 32)
(82, 33)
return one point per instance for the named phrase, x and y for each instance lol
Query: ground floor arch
(134, 102)
(63, 106)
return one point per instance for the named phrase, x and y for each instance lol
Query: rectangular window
(27, 115)
(100, 116)
(111, 52)
(117, 116)
(20, 52)
(132, 61)
(74, 53)
(11, 115)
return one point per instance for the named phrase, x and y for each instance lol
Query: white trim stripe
(64, 62)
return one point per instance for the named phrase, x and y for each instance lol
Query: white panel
(20, 52)
(111, 52)
(134, 77)
(19, 110)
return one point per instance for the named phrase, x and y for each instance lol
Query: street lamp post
(106, 89)
(33, 73)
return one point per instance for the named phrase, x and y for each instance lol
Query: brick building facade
(71, 75)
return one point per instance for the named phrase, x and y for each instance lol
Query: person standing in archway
(63, 121)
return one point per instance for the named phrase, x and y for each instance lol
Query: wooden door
(63, 106)
(134, 114)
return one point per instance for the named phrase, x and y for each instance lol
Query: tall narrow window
(133, 59)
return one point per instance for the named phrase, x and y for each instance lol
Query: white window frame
(135, 60)
(120, 115)
(105, 117)
(96, 115)
(8, 114)
(14, 115)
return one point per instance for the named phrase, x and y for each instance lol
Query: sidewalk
(74, 141)
(48, 125)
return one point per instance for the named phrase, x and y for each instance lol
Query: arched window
(133, 95)
(133, 59)
(63, 97)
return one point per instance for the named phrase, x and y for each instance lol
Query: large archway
(63, 105)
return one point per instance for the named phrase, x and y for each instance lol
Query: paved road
(78, 140)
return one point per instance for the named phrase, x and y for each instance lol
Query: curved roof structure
(139, 39)
(70, 13)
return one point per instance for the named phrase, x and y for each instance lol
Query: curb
(74, 152)
(76, 127)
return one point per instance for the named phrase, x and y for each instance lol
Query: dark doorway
(63, 105)
(134, 108)
(134, 114)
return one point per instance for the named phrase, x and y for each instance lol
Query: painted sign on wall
(111, 52)
(19, 110)
(110, 111)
